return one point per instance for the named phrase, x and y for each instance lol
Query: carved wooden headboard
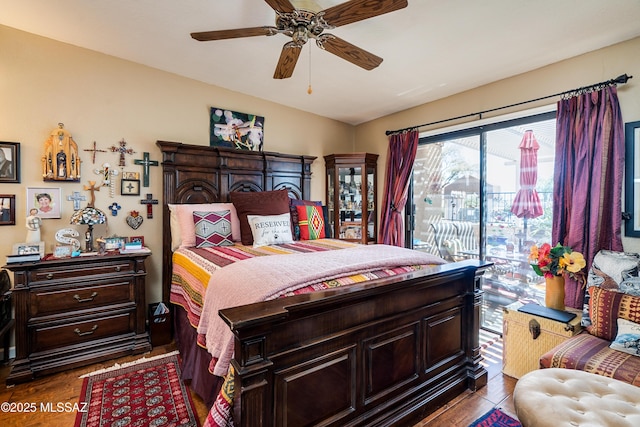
(203, 174)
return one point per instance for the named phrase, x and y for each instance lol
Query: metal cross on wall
(122, 150)
(149, 201)
(93, 151)
(145, 162)
(76, 197)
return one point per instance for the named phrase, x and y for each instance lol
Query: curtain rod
(622, 79)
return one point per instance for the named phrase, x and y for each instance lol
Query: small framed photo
(28, 248)
(9, 162)
(7, 209)
(113, 243)
(130, 187)
(134, 239)
(130, 175)
(62, 251)
(48, 201)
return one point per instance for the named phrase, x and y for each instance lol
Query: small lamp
(88, 216)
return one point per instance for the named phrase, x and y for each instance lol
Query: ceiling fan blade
(349, 52)
(233, 34)
(287, 62)
(282, 6)
(357, 10)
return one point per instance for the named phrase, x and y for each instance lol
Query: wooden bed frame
(384, 352)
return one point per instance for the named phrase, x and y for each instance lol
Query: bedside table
(77, 311)
(521, 352)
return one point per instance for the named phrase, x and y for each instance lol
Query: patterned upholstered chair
(609, 344)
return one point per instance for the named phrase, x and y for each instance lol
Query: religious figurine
(60, 161)
(33, 226)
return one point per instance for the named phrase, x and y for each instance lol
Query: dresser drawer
(71, 273)
(50, 336)
(48, 301)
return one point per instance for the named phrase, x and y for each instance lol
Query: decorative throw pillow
(612, 270)
(258, 203)
(295, 220)
(182, 226)
(628, 338)
(270, 229)
(311, 222)
(606, 307)
(212, 228)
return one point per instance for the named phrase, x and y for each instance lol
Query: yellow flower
(573, 262)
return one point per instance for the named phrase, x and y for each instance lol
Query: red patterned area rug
(147, 392)
(495, 418)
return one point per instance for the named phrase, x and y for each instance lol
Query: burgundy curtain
(401, 155)
(588, 176)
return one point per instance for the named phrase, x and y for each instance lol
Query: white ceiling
(431, 49)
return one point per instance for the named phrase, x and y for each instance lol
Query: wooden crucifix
(122, 150)
(145, 162)
(76, 197)
(149, 201)
(91, 188)
(93, 151)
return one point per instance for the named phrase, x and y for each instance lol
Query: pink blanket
(264, 278)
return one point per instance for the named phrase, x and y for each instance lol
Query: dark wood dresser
(76, 311)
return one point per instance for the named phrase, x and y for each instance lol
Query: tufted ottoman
(559, 397)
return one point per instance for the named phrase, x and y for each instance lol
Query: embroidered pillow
(311, 222)
(270, 229)
(606, 307)
(295, 221)
(258, 203)
(628, 338)
(212, 228)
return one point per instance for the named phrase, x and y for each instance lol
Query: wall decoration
(48, 201)
(76, 198)
(7, 209)
(60, 161)
(9, 162)
(108, 177)
(134, 220)
(145, 162)
(237, 130)
(130, 187)
(114, 208)
(130, 175)
(122, 149)
(93, 152)
(149, 201)
(91, 188)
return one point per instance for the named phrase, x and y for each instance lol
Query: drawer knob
(49, 276)
(81, 334)
(118, 268)
(91, 297)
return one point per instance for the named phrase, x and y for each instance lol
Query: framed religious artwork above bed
(632, 179)
(242, 131)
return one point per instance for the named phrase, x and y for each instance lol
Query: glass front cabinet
(351, 196)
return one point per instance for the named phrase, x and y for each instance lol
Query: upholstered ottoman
(559, 397)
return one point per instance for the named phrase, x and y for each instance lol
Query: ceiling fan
(301, 25)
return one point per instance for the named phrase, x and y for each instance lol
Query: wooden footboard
(385, 352)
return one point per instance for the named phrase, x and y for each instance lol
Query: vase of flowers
(553, 263)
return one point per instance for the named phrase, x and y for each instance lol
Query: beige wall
(104, 99)
(580, 71)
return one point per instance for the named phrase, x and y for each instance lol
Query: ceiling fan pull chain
(309, 90)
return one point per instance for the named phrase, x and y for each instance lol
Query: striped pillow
(606, 307)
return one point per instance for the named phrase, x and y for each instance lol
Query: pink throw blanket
(265, 278)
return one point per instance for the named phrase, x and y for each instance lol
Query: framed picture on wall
(9, 162)
(47, 201)
(7, 209)
(236, 130)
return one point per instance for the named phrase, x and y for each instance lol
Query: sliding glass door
(465, 203)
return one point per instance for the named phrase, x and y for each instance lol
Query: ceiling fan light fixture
(300, 35)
